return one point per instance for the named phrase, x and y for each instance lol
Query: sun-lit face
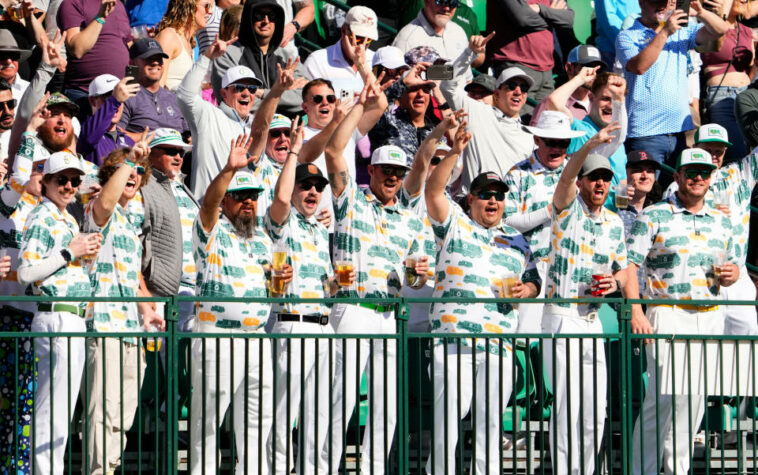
(150, 69)
(307, 195)
(511, 96)
(7, 113)
(203, 10)
(641, 176)
(62, 194)
(278, 144)
(132, 185)
(9, 66)
(415, 100)
(438, 15)
(594, 188)
(168, 159)
(551, 152)
(693, 188)
(386, 181)
(486, 206)
(319, 106)
(601, 110)
(240, 96)
(57, 132)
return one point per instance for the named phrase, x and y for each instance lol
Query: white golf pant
(530, 314)
(668, 439)
(579, 385)
(60, 364)
(380, 370)
(484, 380)
(236, 372)
(740, 319)
(308, 361)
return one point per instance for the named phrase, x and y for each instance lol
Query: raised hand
(675, 21)
(478, 44)
(414, 79)
(39, 114)
(218, 48)
(141, 148)
(617, 86)
(106, 8)
(356, 52)
(296, 134)
(125, 89)
(462, 137)
(5, 266)
(604, 135)
(238, 157)
(287, 80)
(51, 50)
(588, 74)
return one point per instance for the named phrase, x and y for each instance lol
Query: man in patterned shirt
(233, 255)
(476, 256)
(676, 243)
(531, 184)
(291, 223)
(51, 265)
(376, 234)
(586, 240)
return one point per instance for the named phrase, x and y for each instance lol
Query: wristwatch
(296, 25)
(66, 255)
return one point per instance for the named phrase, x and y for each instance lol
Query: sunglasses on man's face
(12, 56)
(172, 151)
(307, 185)
(447, 3)
(10, 104)
(318, 98)
(259, 15)
(362, 40)
(275, 134)
(557, 143)
(244, 195)
(242, 87)
(598, 175)
(389, 170)
(692, 173)
(62, 180)
(486, 195)
(512, 85)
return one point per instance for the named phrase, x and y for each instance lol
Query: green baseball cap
(58, 99)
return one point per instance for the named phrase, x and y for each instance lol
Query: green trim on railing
(307, 44)
(346, 7)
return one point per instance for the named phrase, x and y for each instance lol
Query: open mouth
(130, 185)
(60, 131)
(598, 193)
(310, 200)
(282, 148)
(516, 101)
(490, 210)
(243, 102)
(323, 112)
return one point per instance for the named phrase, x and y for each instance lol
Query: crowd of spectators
(153, 148)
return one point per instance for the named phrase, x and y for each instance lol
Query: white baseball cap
(166, 136)
(712, 133)
(238, 73)
(244, 180)
(554, 125)
(102, 84)
(390, 155)
(280, 121)
(60, 161)
(695, 156)
(362, 22)
(391, 57)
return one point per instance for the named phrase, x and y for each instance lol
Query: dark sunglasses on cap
(307, 185)
(251, 88)
(243, 195)
(63, 179)
(330, 98)
(10, 104)
(606, 176)
(389, 170)
(512, 85)
(172, 151)
(486, 195)
(692, 173)
(259, 15)
(557, 143)
(275, 134)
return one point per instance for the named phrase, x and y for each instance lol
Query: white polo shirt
(329, 63)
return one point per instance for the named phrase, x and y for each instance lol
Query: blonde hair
(180, 15)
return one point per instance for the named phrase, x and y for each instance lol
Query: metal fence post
(625, 318)
(172, 392)
(401, 314)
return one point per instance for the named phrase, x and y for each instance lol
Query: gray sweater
(162, 237)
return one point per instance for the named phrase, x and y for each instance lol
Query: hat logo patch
(698, 155)
(312, 169)
(243, 180)
(643, 156)
(395, 155)
(714, 132)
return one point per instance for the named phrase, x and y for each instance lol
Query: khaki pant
(118, 369)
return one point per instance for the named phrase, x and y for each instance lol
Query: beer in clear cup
(622, 196)
(343, 269)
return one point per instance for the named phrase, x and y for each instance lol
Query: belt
(296, 317)
(61, 307)
(376, 307)
(691, 308)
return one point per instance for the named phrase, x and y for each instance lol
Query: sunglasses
(489, 194)
(426, 89)
(306, 186)
(172, 151)
(10, 104)
(242, 87)
(140, 170)
(330, 98)
(275, 134)
(693, 173)
(11, 56)
(362, 40)
(244, 195)
(447, 3)
(598, 175)
(557, 143)
(389, 170)
(512, 85)
(40, 167)
(260, 15)
(63, 179)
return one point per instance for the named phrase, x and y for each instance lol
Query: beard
(54, 142)
(244, 225)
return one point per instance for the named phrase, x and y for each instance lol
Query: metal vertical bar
(172, 393)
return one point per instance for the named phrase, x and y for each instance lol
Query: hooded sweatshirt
(246, 52)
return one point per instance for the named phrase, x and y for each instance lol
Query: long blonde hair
(180, 15)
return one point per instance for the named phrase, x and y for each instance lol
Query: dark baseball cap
(145, 48)
(586, 55)
(58, 99)
(305, 171)
(483, 180)
(483, 80)
(640, 156)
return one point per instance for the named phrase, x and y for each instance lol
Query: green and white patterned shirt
(675, 249)
(48, 231)
(187, 213)
(581, 242)
(115, 273)
(266, 172)
(472, 262)
(376, 239)
(307, 242)
(530, 191)
(228, 265)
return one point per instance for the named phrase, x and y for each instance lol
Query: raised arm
(437, 204)
(306, 12)
(714, 27)
(81, 41)
(557, 100)
(336, 166)
(617, 86)
(452, 89)
(565, 191)
(238, 159)
(285, 184)
(188, 92)
(313, 148)
(415, 179)
(640, 63)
